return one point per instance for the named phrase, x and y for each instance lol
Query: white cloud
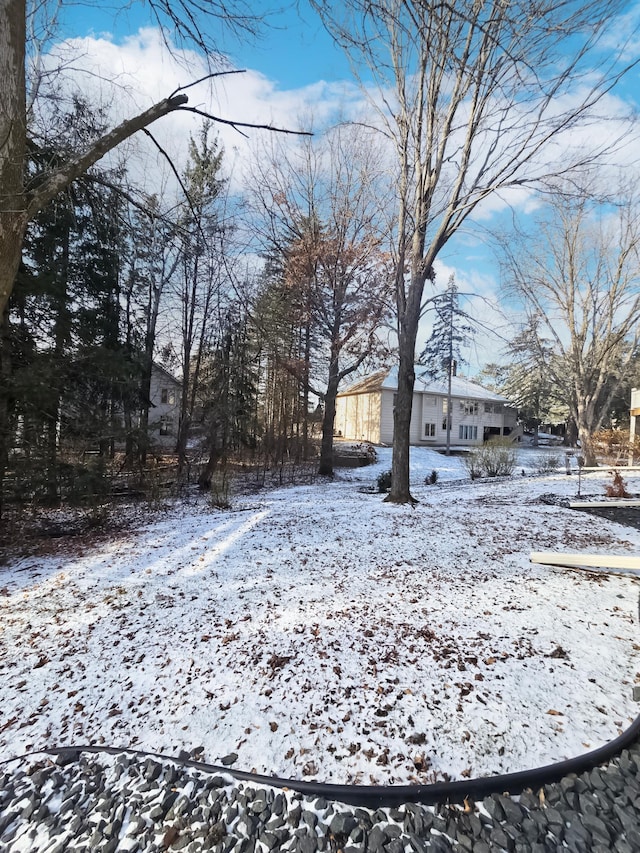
(126, 78)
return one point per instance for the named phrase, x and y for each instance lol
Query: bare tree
(20, 201)
(577, 273)
(322, 209)
(152, 256)
(475, 98)
(200, 269)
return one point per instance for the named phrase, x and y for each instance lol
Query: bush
(616, 444)
(547, 464)
(431, 479)
(367, 451)
(618, 488)
(496, 458)
(472, 464)
(384, 481)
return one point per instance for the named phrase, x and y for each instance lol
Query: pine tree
(452, 329)
(63, 330)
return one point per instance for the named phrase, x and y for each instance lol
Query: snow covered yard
(319, 633)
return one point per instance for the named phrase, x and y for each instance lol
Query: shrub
(367, 450)
(431, 479)
(384, 481)
(547, 464)
(472, 464)
(496, 458)
(616, 444)
(618, 487)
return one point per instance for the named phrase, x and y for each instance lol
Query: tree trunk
(153, 308)
(584, 418)
(305, 392)
(408, 319)
(61, 336)
(571, 432)
(328, 420)
(5, 401)
(183, 435)
(400, 492)
(449, 404)
(206, 475)
(13, 216)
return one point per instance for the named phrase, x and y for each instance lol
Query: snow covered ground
(320, 633)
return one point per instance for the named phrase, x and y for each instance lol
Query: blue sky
(296, 51)
(284, 68)
(293, 51)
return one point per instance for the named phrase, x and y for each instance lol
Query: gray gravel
(125, 802)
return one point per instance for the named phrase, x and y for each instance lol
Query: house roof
(388, 380)
(165, 374)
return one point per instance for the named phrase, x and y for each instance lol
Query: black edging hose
(380, 796)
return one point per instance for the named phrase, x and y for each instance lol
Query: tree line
(108, 286)
(466, 100)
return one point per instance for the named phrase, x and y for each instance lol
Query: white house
(364, 411)
(164, 409)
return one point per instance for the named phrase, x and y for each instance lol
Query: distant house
(164, 409)
(364, 411)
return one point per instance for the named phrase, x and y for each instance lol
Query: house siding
(480, 426)
(358, 417)
(415, 427)
(386, 417)
(367, 413)
(164, 416)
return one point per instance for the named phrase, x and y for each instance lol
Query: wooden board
(606, 469)
(599, 504)
(605, 561)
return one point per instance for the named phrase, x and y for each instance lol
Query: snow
(320, 633)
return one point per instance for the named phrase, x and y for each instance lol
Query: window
(168, 396)
(467, 432)
(488, 408)
(469, 407)
(445, 408)
(165, 425)
(429, 430)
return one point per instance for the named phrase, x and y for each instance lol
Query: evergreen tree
(452, 329)
(278, 314)
(229, 387)
(63, 330)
